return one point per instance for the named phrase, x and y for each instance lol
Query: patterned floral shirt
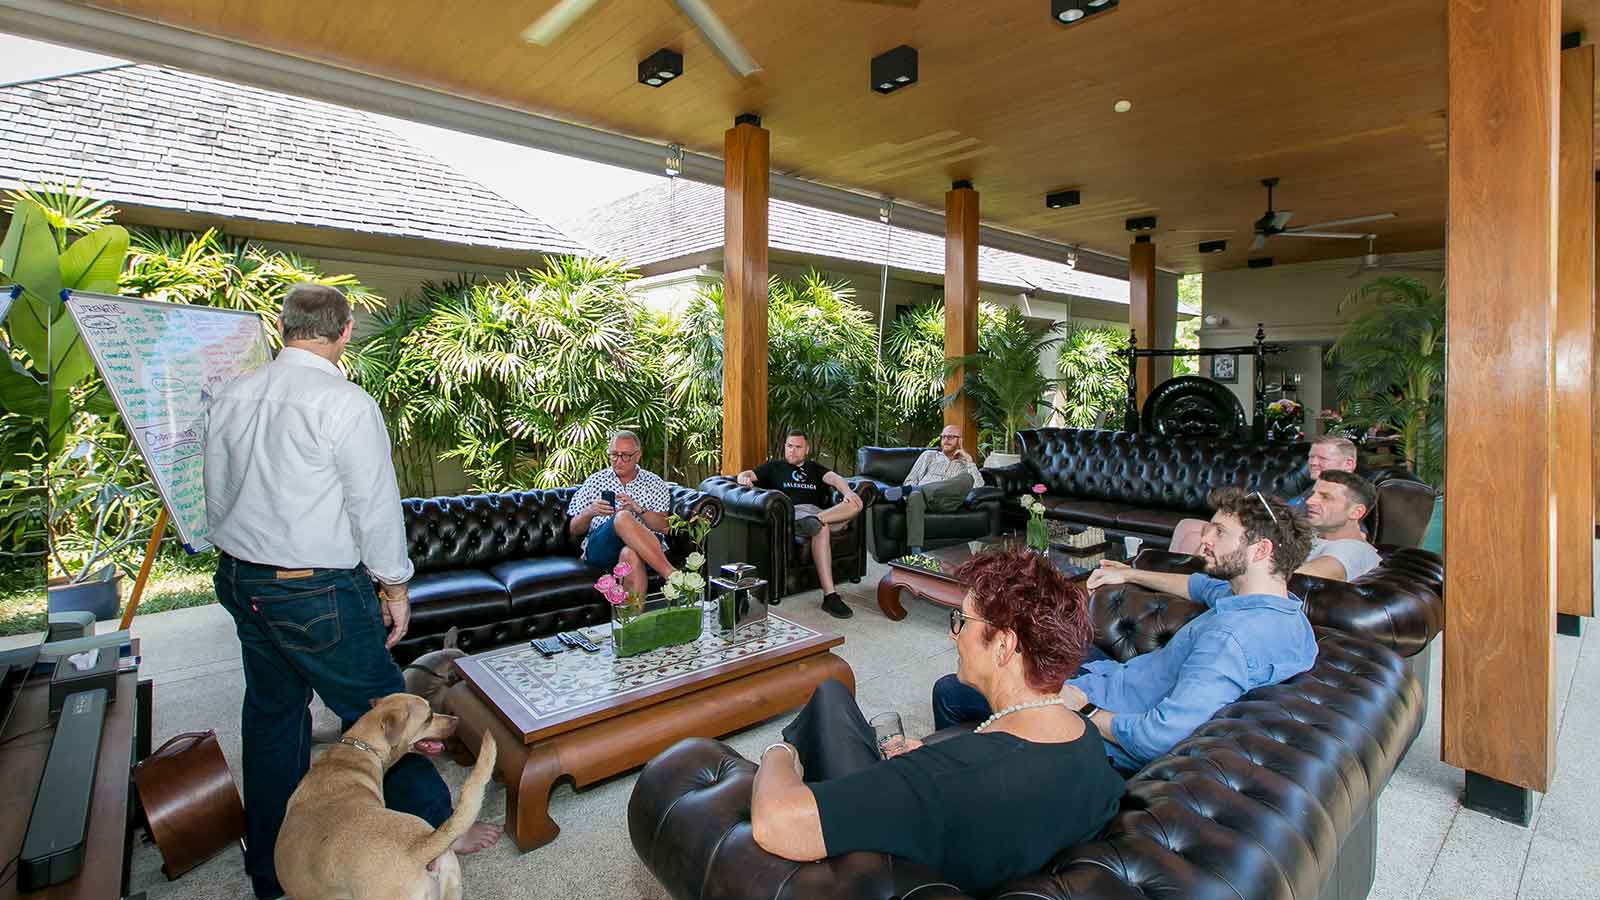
(651, 492)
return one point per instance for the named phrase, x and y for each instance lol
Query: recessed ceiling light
(660, 67)
(1122, 105)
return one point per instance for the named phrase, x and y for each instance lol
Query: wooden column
(1574, 341)
(961, 301)
(744, 296)
(1142, 309)
(1499, 666)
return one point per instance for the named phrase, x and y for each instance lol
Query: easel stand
(150, 550)
(1260, 350)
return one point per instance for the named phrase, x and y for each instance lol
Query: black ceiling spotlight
(1213, 246)
(660, 67)
(1061, 199)
(894, 69)
(1069, 11)
(1261, 262)
(1140, 223)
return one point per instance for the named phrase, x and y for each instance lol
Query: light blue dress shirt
(1241, 643)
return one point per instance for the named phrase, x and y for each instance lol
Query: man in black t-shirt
(807, 483)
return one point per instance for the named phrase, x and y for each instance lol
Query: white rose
(669, 591)
(696, 583)
(695, 560)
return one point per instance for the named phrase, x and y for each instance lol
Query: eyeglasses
(959, 619)
(615, 455)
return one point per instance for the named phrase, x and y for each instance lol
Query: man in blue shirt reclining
(1255, 633)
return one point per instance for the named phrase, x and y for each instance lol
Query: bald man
(938, 482)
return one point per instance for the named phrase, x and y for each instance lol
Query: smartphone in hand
(609, 497)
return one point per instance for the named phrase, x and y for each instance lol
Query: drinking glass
(890, 732)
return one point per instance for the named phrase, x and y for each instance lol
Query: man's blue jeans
(322, 632)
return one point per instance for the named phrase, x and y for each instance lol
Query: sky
(554, 188)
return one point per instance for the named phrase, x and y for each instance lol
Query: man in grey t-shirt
(1338, 503)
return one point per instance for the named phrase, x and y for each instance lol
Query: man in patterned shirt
(621, 511)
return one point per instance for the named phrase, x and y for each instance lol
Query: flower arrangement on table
(638, 625)
(1285, 409)
(1038, 535)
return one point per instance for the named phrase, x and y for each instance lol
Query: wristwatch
(1088, 709)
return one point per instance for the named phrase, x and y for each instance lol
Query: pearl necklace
(1036, 704)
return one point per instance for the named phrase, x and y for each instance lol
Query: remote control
(576, 639)
(547, 646)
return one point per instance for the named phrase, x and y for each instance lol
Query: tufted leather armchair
(887, 467)
(1145, 484)
(760, 531)
(502, 568)
(1274, 797)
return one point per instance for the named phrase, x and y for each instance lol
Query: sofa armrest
(751, 504)
(986, 494)
(1152, 560)
(870, 490)
(1014, 480)
(688, 819)
(690, 502)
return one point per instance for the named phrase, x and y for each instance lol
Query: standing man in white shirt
(939, 481)
(304, 510)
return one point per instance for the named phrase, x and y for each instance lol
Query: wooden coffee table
(588, 716)
(932, 575)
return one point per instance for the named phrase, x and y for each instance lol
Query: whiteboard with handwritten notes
(163, 362)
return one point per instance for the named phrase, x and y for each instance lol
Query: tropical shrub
(822, 373)
(914, 366)
(1391, 368)
(1005, 382)
(1093, 369)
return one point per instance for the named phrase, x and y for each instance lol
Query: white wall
(1299, 305)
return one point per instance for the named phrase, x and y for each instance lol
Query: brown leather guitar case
(190, 801)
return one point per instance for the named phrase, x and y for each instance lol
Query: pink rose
(622, 570)
(1039, 489)
(605, 584)
(616, 596)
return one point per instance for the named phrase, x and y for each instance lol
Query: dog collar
(359, 744)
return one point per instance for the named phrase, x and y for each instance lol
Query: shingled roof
(669, 221)
(156, 137)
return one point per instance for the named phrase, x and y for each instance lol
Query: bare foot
(481, 836)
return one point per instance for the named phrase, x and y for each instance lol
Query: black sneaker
(835, 606)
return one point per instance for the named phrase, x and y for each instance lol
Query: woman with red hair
(978, 808)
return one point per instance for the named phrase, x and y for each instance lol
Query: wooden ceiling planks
(1344, 102)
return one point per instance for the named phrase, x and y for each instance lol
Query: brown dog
(428, 675)
(338, 842)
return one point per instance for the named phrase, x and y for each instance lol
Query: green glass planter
(1038, 535)
(658, 626)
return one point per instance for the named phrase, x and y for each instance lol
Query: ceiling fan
(560, 17)
(1274, 223)
(1373, 262)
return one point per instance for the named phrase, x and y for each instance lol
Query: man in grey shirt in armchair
(939, 481)
(1335, 508)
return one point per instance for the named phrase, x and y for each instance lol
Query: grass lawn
(175, 583)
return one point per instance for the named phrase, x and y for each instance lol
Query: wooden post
(151, 548)
(1142, 308)
(1574, 341)
(1499, 665)
(744, 296)
(961, 302)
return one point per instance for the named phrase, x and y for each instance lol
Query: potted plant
(1036, 533)
(1283, 420)
(1005, 383)
(1391, 368)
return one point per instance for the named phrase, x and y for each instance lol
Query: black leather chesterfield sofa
(502, 568)
(759, 529)
(979, 517)
(1275, 797)
(1145, 484)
